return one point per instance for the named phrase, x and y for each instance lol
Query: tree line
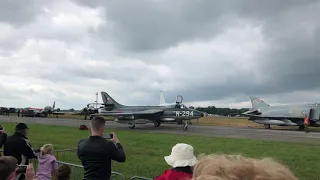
(222, 111)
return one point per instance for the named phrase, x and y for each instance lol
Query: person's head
(8, 167)
(225, 167)
(64, 172)
(182, 155)
(97, 126)
(22, 128)
(46, 149)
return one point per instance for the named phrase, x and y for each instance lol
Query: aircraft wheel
(184, 128)
(156, 124)
(91, 117)
(132, 127)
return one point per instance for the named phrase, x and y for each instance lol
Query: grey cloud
(146, 29)
(19, 13)
(148, 25)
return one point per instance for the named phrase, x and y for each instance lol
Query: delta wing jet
(283, 115)
(133, 115)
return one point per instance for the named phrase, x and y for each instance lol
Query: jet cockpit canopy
(179, 99)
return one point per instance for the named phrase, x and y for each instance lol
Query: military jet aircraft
(283, 115)
(133, 115)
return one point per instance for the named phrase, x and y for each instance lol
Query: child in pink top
(47, 163)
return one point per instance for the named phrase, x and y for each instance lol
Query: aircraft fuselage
(286, 115)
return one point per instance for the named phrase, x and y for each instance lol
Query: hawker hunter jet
(133, 115)
(283, 115)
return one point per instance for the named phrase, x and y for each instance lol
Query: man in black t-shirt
(96, 152)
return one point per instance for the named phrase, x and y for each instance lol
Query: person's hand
(115, 139)
(30, 174)
(2, 131)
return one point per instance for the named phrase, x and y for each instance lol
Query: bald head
(97, 125)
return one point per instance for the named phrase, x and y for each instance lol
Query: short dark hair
(97, 122)
(8, 164)
(63, 172)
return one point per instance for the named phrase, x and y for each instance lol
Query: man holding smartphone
(96, 152)
(19, 147)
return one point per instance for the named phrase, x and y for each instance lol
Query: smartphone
(107, 136)
(22, 169)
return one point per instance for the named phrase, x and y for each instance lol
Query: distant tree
(222, 111)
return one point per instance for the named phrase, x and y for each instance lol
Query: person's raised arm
(28, 150)
(116, 151)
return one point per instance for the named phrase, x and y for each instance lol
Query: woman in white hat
(181, 160)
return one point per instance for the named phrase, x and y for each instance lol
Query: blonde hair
(46, 149)
(238, 167)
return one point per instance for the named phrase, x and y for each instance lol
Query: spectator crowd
(96, 154)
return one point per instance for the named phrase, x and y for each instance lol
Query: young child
(64, 172)
(47, 163)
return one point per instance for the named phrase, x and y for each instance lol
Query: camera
(107, 136)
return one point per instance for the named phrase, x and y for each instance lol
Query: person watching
(19, 147)
(64, 172)
(8, 167)
(3, 137)
(96, 153)
(223, 166)
(182, 160)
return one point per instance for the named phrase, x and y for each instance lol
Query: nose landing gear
(185, 126)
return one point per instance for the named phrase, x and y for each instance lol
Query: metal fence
(69, 156)
(140, 178)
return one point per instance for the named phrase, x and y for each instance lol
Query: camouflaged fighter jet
(283, 115)
(133, 115)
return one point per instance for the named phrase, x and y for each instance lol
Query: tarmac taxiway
(213, 131)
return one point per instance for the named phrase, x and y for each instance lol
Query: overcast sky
(210, 52)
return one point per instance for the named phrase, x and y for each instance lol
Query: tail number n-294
(184, 113)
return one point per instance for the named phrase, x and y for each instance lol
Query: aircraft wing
(120, 113)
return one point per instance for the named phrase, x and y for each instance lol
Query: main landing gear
(267, 126)
(157, 124)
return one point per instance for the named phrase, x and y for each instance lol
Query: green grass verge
(145, 151)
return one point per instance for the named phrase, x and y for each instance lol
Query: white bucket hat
(181, 156)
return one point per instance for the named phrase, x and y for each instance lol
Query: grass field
(145, 151)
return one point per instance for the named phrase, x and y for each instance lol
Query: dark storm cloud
(291, 27)
(149, 25)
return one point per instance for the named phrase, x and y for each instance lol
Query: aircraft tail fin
(256, 102)
(54, 105)
(162, 100)
(108, 100)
